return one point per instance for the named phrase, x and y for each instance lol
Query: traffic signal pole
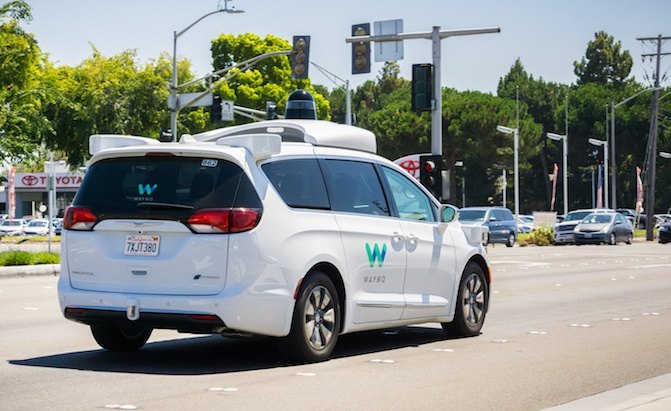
(435, 35)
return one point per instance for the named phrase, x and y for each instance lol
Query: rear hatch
(157, 224)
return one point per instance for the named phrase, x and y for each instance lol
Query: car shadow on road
(202, 355)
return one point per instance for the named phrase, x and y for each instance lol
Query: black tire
(315, 324)
(114, 338)
(630, 239)
(472, 303)
(511, 240)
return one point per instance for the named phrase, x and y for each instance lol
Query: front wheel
(472, 303)
(511, 240)
(115, 338)
(316, 321)
(612, 239)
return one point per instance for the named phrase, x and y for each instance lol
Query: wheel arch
(480, 260)
(334, 275)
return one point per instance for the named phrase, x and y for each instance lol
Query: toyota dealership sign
(38, 181)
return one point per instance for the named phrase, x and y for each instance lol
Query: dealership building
(31, 191)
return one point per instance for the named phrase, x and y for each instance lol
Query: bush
(15, 258)
(541, 236)
(8, 258)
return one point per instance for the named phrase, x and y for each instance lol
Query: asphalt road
(564, 323)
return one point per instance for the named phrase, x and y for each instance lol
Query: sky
(546, 35)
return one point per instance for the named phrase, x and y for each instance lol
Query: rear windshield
(163, 187)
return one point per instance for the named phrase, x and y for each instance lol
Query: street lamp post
(603, 143)
(463, 182)
(564, 140)
(664, 154)
(173, 101)
(516, 149)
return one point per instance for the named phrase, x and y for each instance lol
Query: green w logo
(376, 254)
(146, 189)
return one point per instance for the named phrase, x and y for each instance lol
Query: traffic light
(215, 109)
(360, 51)
(271, 110)
(300, 57)
(431, 174)
(422, 87)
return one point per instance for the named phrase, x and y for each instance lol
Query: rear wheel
(316, 321)
(472, 303)
(115, 338)
(630, 238)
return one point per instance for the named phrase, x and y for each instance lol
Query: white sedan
(12, 227)
(37, 227)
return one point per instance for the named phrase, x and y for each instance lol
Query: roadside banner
(12, 193)
(599, 190)
(553, 176)
(639, 191)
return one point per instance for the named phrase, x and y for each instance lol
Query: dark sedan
(664, 233)
(606, 228)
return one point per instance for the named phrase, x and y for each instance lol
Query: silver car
(606, 228)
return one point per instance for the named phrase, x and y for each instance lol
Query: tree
(268, 80)
(110, 95)
(604, 62)
(21, 120)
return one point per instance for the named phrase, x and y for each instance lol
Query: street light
(463, 182)
(516, 149)
(173, 101)
(603, 143)
(664, 154)
(564, 140)
(613, 165)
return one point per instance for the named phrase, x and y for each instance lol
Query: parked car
(58, 225)
(12, 226)
(292, 229)
(606, 228)
(632, 216)
(525, 224)
(563, 231)
(38, 226)
(664, 233)
(499, 221)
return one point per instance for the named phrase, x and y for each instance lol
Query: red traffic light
(429, 166)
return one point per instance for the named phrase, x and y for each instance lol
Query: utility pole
(652, 137)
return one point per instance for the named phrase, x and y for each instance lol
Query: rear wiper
(148, 204)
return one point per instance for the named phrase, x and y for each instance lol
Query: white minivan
(293, 229)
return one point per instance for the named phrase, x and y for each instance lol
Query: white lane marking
(653, 314)
(650, 266)
(442, 350)
(522, 263)
(622, 319)
(380, 361)
(500, 341)
(580, 325)
(537, 333)
(306, 374)
(30, 309)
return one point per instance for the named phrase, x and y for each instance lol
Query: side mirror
(448, 213)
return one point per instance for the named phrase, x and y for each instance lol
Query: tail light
(224, 221)
(79, 218)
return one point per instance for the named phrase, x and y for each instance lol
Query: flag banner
(639, 191)
(554, 186)
(599, 190)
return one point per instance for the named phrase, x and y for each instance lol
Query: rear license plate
(142, 245)
(588, 235)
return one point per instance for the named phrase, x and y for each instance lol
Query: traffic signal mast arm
(242, 66)
(435, 35)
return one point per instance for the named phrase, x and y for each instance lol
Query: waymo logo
(376, 254)
(146, 189)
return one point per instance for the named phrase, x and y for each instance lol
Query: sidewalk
(648, 395)
(29, 270)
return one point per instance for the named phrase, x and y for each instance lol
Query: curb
(29, 270)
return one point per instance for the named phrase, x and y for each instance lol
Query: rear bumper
(193, 323)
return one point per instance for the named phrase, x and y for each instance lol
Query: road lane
(564, 323)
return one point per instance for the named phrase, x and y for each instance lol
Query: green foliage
(268, 80)
(541, 236)
(604, 62)
(11, 258)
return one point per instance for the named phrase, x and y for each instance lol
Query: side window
(410, 200)
(299, 182)
(354, 187)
